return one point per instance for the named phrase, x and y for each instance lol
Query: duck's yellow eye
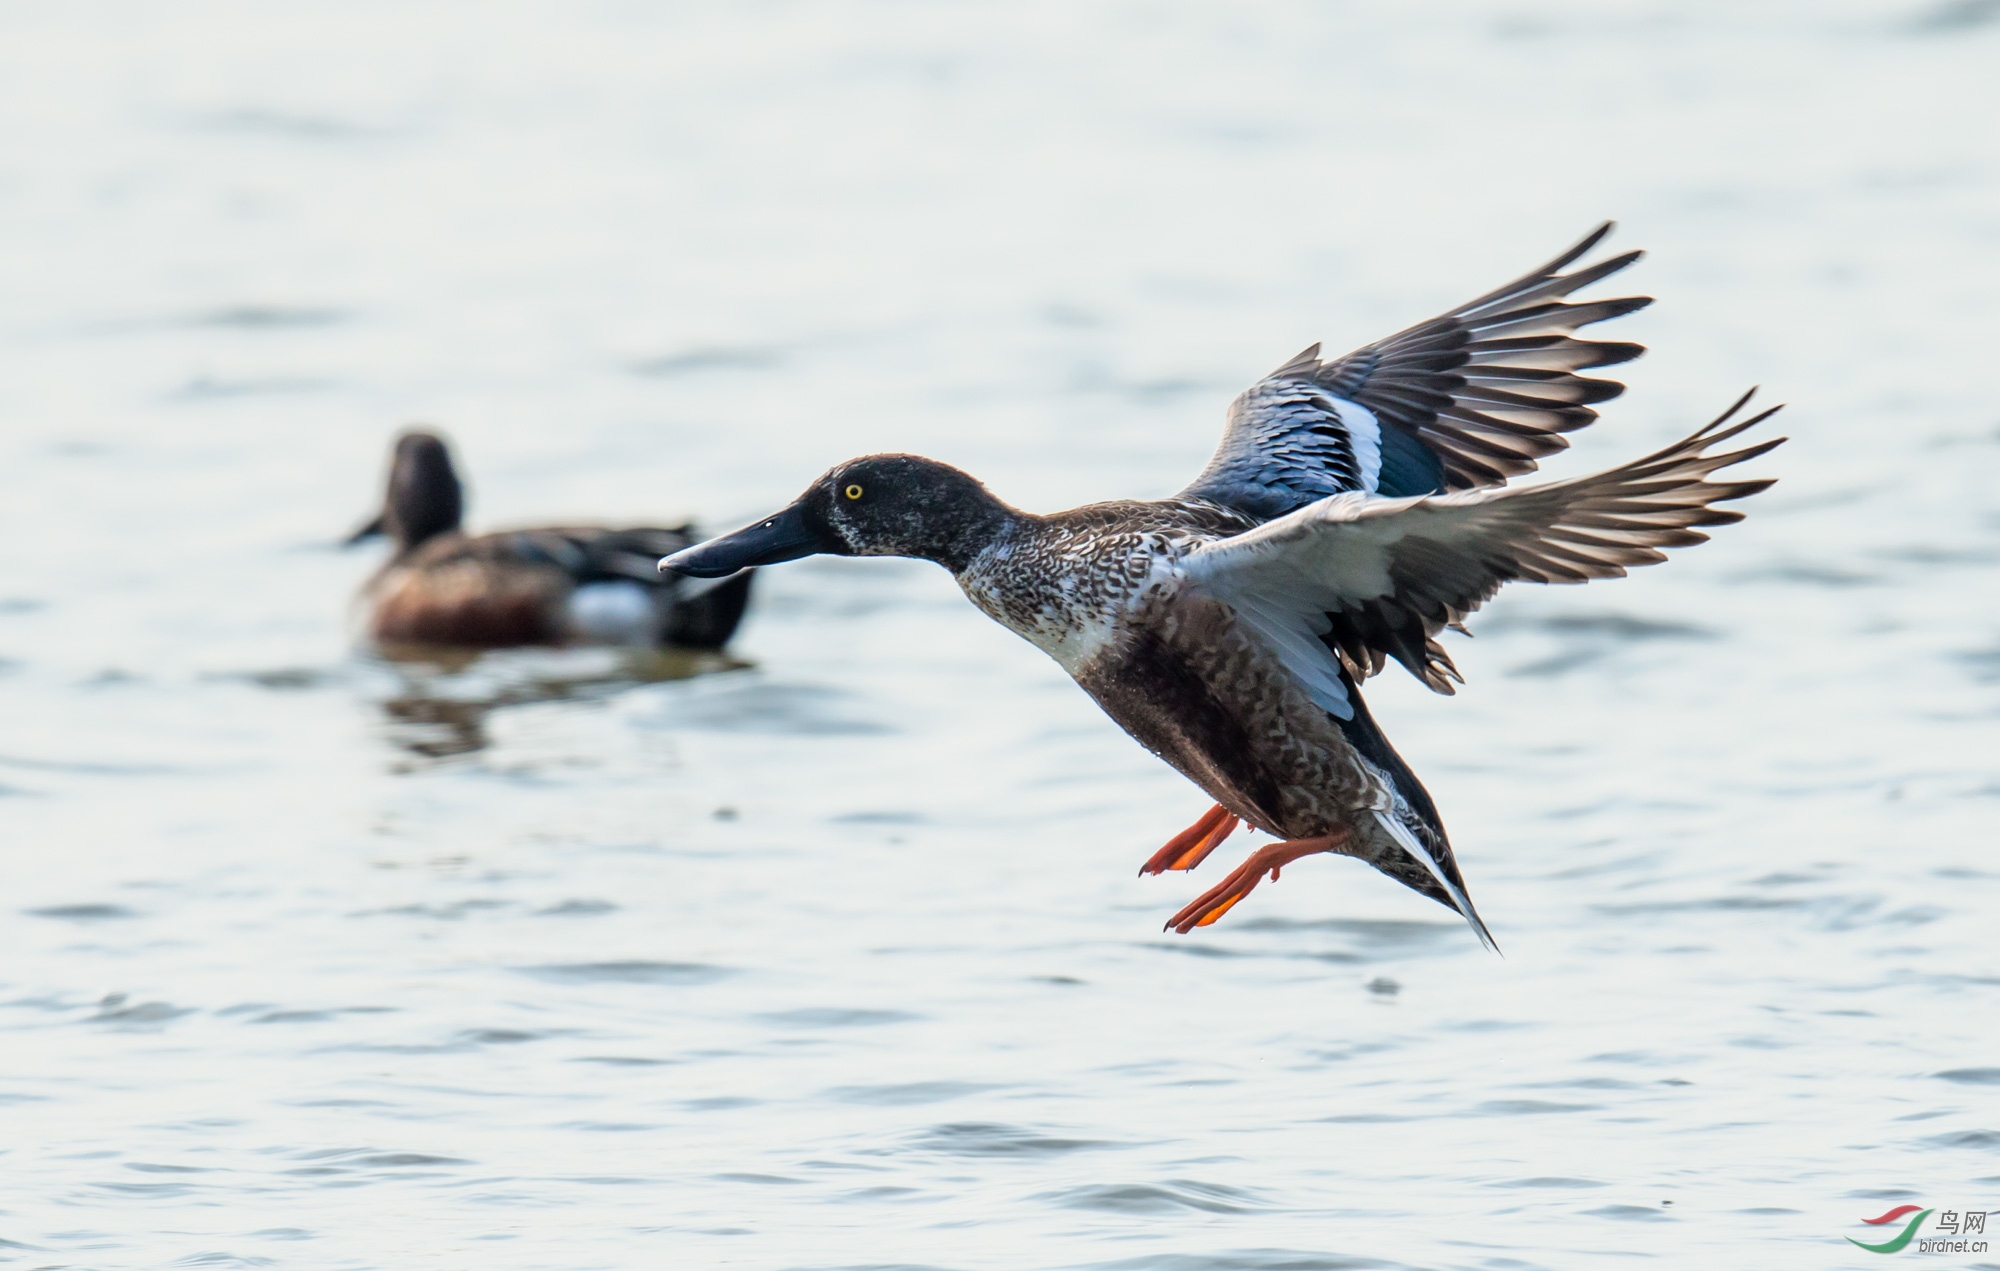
(853, 492)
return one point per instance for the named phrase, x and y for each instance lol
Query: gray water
(832, 955)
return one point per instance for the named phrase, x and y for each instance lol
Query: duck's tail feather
(1446, 891)
(1418, 830)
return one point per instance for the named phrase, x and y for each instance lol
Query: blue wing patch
(1470, 398)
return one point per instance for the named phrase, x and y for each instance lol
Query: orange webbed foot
(1191, 846)
(1218, 900)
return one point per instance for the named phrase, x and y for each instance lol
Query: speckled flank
(1197, 690)
(1176, 670)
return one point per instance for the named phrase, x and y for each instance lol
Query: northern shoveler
(553, 585)
(1354, 509)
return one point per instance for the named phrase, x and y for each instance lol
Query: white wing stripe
(1364, 433)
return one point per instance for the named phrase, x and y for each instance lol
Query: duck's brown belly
(1195, 690)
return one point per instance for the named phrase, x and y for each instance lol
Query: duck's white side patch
(613, 613)
(1364, 433)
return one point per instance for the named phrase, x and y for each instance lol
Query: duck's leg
(1215, 902)
(1191, 846)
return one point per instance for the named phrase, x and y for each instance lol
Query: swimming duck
(1354, 509)
(553, 585)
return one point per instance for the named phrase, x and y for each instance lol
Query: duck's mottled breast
(1068, 582)
(1101, 590)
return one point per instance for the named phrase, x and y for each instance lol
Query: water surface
(832, 956)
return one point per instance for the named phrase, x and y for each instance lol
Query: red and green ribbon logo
(1903, 1237)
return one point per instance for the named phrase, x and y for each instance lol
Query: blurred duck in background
(555, 585)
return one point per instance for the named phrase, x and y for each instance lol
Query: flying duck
(554, 585)
(1354, 509)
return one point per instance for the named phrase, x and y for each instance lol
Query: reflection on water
(445, 695)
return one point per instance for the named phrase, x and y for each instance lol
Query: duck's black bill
(783, 537)
(366, 532)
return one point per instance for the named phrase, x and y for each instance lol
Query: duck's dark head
(424, 499)
(878, 505)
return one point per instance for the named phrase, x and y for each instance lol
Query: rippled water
(835, 957)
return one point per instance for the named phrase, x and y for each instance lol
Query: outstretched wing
(1368, 576)
(1470, 398)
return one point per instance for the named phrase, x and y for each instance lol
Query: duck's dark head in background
(878, 505)
(424, 498)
